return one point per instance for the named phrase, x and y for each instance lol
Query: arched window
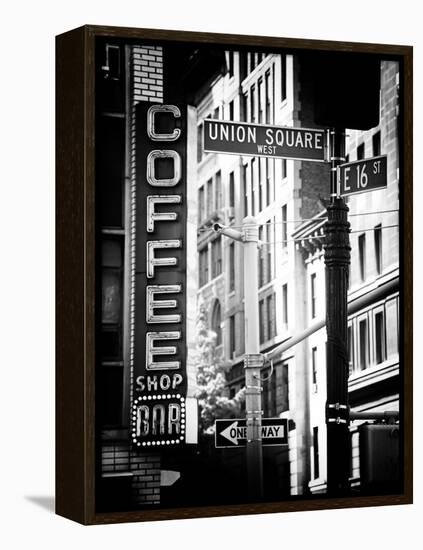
(216, 321)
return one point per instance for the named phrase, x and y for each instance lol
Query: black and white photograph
(249, 327)
(211, 252)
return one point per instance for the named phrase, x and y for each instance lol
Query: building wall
(118, 459)
(373, 386)
(147, 70)
(279, 193)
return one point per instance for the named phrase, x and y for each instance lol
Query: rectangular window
(268, 89)
(253, 187)
(270, 393)
(376, 144)
(351, 348)
(360, 151)
(283, 77)
(271, 316)
(268, 176)
(218, 190)
(209, 197)
(232, 344)
(111, 396)
(285, 305)
(313, 295)
(261, 259)
(232, 189)
(284, 227)
(243, 65)
(112, 264)
(216, 113)
(283, 389)
(203, 265)
(199, 143)
(250, 62)
(362, 256)
(316, 452)
(363, 334)
(231, 266)
(268, 252)
(112, 299)
(201, 204)
(231, 64)
(378, 248)
(391, 308)
(245, 188)
(262, 317)
(314, 365)
(231, 110)
(253, 104)
(216, 257)
(113, 61)
(273, 394)
(380, 344)
(283, 165)
(260, 101)
(260, 184)
(111, 171)
(244, 107)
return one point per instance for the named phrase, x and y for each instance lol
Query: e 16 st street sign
(233, 432)
(241, 138)
(362, 175)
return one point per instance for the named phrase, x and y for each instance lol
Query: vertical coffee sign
(159, 362)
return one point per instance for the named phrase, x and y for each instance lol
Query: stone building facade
(288, 200)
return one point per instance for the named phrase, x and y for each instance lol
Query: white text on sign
(362, 175)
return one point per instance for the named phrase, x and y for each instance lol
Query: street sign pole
(253, 360)
(337, 260)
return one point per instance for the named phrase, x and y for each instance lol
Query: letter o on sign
(151, 168)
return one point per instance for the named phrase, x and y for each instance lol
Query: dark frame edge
(306, 505)
(247, 40)
(408, 271)
(75, 282)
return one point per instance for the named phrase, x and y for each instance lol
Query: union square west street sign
(233, 432)
(241, 138)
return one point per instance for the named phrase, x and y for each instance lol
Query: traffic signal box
(379, 458)
(344, 89)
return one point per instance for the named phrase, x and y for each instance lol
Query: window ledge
(117, 474)
(317, 485)
(210, 283)
(374, 374)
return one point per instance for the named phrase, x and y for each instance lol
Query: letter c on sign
(151, 122)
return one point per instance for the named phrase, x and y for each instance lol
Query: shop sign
(158, 262)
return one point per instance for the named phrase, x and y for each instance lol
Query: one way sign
(233, 432)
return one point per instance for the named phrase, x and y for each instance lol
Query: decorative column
(337, 260)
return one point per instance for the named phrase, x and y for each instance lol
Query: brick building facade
(127, 75)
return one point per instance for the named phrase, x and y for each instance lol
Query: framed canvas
(234, 275)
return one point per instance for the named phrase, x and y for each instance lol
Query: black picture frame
(78, 284)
